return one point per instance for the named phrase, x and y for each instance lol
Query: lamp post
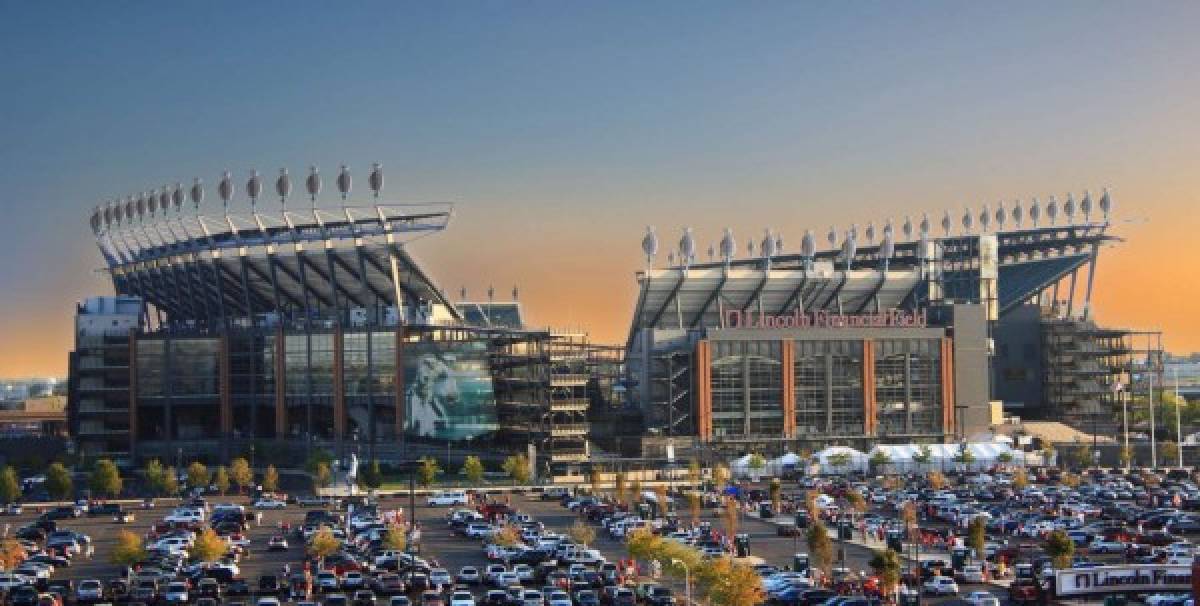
(687, 580)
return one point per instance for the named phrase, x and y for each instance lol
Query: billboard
(1119, 579)
(448, 390)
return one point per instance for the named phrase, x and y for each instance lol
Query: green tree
(1060, 548)
(241, 475)
(10, 487)
(270, 481)
(977, 536)
(221, 479)
(472, 469)
(427, 471)
(517, 468)
(197, 475)
(923, 455)
(694, 472)
(838, 460)
(1004, 458)
(1168, 452)
(208, 546)
(756, 463)
(964, 455)
(105, 479)
(321, 476)
(170, 482)
(155, 476)
(879, 459)
(128, 550)
(820, 547)
(58, 482)
(886, 564)
(1081, 454)
(856, 501)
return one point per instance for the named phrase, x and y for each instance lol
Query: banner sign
(894, 318)
(1114, 579)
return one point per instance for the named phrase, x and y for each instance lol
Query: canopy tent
(788, 462)
(904, 457)
(840, 459)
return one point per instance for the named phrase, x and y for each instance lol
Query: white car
(940, 586)
(10, 580)
(462, 598)
(352, 579)
(1106, 547)
(524, 573)
(480, 531)
(507, 579)
(440, 577)
(267, 602)
(982, 598)
(447, 498)
(490, 573)
(560, 598)
(269, 504)
(467, 575)
(1163, 598)
(327, 581)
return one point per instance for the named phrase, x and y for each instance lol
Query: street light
(687, 580)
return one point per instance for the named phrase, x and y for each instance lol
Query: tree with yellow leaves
(128, 550)
(208, 546)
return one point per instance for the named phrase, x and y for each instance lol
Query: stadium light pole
(1178, 423)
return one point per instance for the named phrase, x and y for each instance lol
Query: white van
(447, 498)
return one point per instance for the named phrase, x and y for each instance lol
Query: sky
(561, 129)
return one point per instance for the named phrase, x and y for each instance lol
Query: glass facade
(829, 388)
(746, 396)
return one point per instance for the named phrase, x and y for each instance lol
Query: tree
(11, 553)
(810, 504)
(323, 543)
(10, 487)
(693, 472)
(1168, 452)
(1070, 480)
(321, 476)
(270, 481)
(856, 500)
(878, 459)
(427, 471)
(1060, 548)
(936, 480)
(635, 491)
(507, 536)
(394, 538)
(472, 469)
(58, 482)
(619, 488)
(923, 455)
(129, 549)
(170, 482)
(371, 478)
(886, 564)
(662, 501)
(694, 506)
(908, 514)
(105, 479)
(517, 468)
(775, 490)
(221, 479)
(594, 481)
(977, 537)
(242, 476)
(731, 583)
(1020, 479)
(1082, 455)
(820, 547)
(729, 516)
(642, 543)
(208, 546)
(838, 460)
(720, 476)
(1048, 454)
(964, 455)
(1004, 458)
(756, 463)
(582, 533)
(155, 476)
(197, 475)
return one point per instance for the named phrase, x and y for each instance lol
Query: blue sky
(568, 126)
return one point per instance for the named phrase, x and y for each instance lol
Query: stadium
(301, 328)
(918, 334)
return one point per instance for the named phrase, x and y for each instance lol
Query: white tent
(788, 462)
(854, 460)
(903, 457)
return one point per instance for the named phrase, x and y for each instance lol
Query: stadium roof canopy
(311, 263)
(675, 298)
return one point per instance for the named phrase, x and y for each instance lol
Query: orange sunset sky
(561, 131)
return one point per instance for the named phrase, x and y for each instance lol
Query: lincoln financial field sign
(895, 318)
(1116, 579)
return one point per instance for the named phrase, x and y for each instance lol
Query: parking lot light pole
(687, 580)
